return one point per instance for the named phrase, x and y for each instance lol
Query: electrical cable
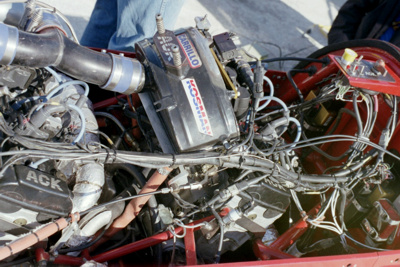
(173, 251)
(66, 84)
(299, 131)
(119, 125)
(303, 106)
(364, 245)
(116, 245)
(55, 74)
(241, 176)
(278, 100)
(36, 164)
(83, 123)
(360, 127)
(221, 237)
(290, 78)
(310, 60)
(269, 99)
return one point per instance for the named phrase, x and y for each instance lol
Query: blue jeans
(119, 24)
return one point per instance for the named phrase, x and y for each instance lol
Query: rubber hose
(387, 47)
(51, 48)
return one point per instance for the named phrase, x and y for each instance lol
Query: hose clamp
(127, 75)
(164, 171)
(8, 43)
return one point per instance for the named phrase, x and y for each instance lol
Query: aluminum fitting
(127, 75)
(8, 43)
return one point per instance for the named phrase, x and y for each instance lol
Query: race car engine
(191, 148)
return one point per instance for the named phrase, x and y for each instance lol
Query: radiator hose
(51, 47)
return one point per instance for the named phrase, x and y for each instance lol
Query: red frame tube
(190, 247)
(138, 245)
(294, 232)
(264, 252)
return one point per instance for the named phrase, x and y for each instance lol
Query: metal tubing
(33, 238)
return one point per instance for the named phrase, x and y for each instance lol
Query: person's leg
(136, 20)
(102, 24)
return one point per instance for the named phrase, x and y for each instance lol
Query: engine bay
(192, 151)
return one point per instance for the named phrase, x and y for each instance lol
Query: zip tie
(108, 155)
(173, 161)
(115, 155)
(336, 182)
(304, 215)
(276, 167)
(241, 161)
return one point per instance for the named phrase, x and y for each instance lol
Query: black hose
(305, 240)
(247, 196)
(389, 48)
(18, 262)
(302, 59)
(245, 73)
(290, 78)
(52, 48)
(338, 119)
(119, 243)
(124, 131)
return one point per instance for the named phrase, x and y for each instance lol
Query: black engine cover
(189, 107)
(26, 187)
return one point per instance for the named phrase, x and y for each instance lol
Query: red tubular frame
(135, 246)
